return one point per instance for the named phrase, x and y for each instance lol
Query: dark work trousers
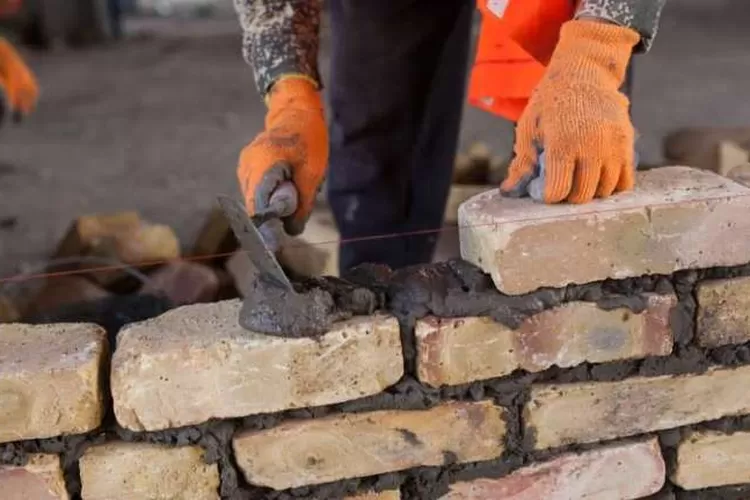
(396, 91)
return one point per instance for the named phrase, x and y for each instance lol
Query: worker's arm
(281, 42)
(280, 37)
(575, 140)
(18, 86)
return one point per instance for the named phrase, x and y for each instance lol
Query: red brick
(40, 479)
(677, 218)
(619, 472)
(457, 351)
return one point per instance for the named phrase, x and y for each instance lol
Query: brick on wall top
(677, 218)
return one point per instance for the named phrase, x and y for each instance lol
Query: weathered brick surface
(143, 470)
(620, 472)
(724, 312)
(40, 479)
(195, 363)
(457, 351)
(49, 380)
(355, 445)
(710, 459)
(595, 411)
(678, 218)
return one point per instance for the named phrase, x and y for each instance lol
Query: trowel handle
(284, 199)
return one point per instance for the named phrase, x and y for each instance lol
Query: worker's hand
(579, 119)
(18, 86)
(294, 146)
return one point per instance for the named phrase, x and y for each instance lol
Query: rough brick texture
(196, 363)
(595, 411)
(142, 470)
(621, 472)
(724, 312)
(711, 459)
(49, 380)
(40, 479)
(355, 445)
(678, 218)
(383, 495)
(457, 351)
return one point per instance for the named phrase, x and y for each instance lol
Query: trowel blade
(252, 242)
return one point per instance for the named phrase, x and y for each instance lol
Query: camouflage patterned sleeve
(639, 15)
(280, 37)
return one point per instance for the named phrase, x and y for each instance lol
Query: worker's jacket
(281, 37)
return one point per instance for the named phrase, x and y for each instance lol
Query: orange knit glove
(579, 118)
(294, 146)
(17, 82)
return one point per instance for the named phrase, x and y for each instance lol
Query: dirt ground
(155, 123)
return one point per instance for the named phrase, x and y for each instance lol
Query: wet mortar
(450, 289)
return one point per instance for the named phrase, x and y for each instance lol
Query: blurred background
(145, 105)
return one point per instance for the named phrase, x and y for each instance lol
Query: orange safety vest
(515, 44)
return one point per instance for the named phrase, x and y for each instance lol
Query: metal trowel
(259, 235)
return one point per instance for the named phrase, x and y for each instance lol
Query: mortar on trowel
(272, 305)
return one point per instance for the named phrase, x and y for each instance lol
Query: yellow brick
(196, 362)
(363, 444)
(595, 411)
(50, 379)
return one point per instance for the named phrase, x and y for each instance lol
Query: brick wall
(612, 363)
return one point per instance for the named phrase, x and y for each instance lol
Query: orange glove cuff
(594, 50)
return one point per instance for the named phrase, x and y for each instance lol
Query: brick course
(620, 472)
(357, 445)
(677, 218)
(558, 415)
(198, 363)
(461, 350)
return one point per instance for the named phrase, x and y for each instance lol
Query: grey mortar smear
(445, 290)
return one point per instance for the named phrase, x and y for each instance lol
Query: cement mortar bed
(450, 289)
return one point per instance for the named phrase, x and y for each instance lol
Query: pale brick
(356, 445)
(315, 252)
(50, 379)
(183, 283)
(457, 351)
(595, 411)
(40, 479)
(141, 470)
(724, 312)
(195, 363)
(677, 218)
(619, 472)
(383, 495)
(711, 459)
(458, 194)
